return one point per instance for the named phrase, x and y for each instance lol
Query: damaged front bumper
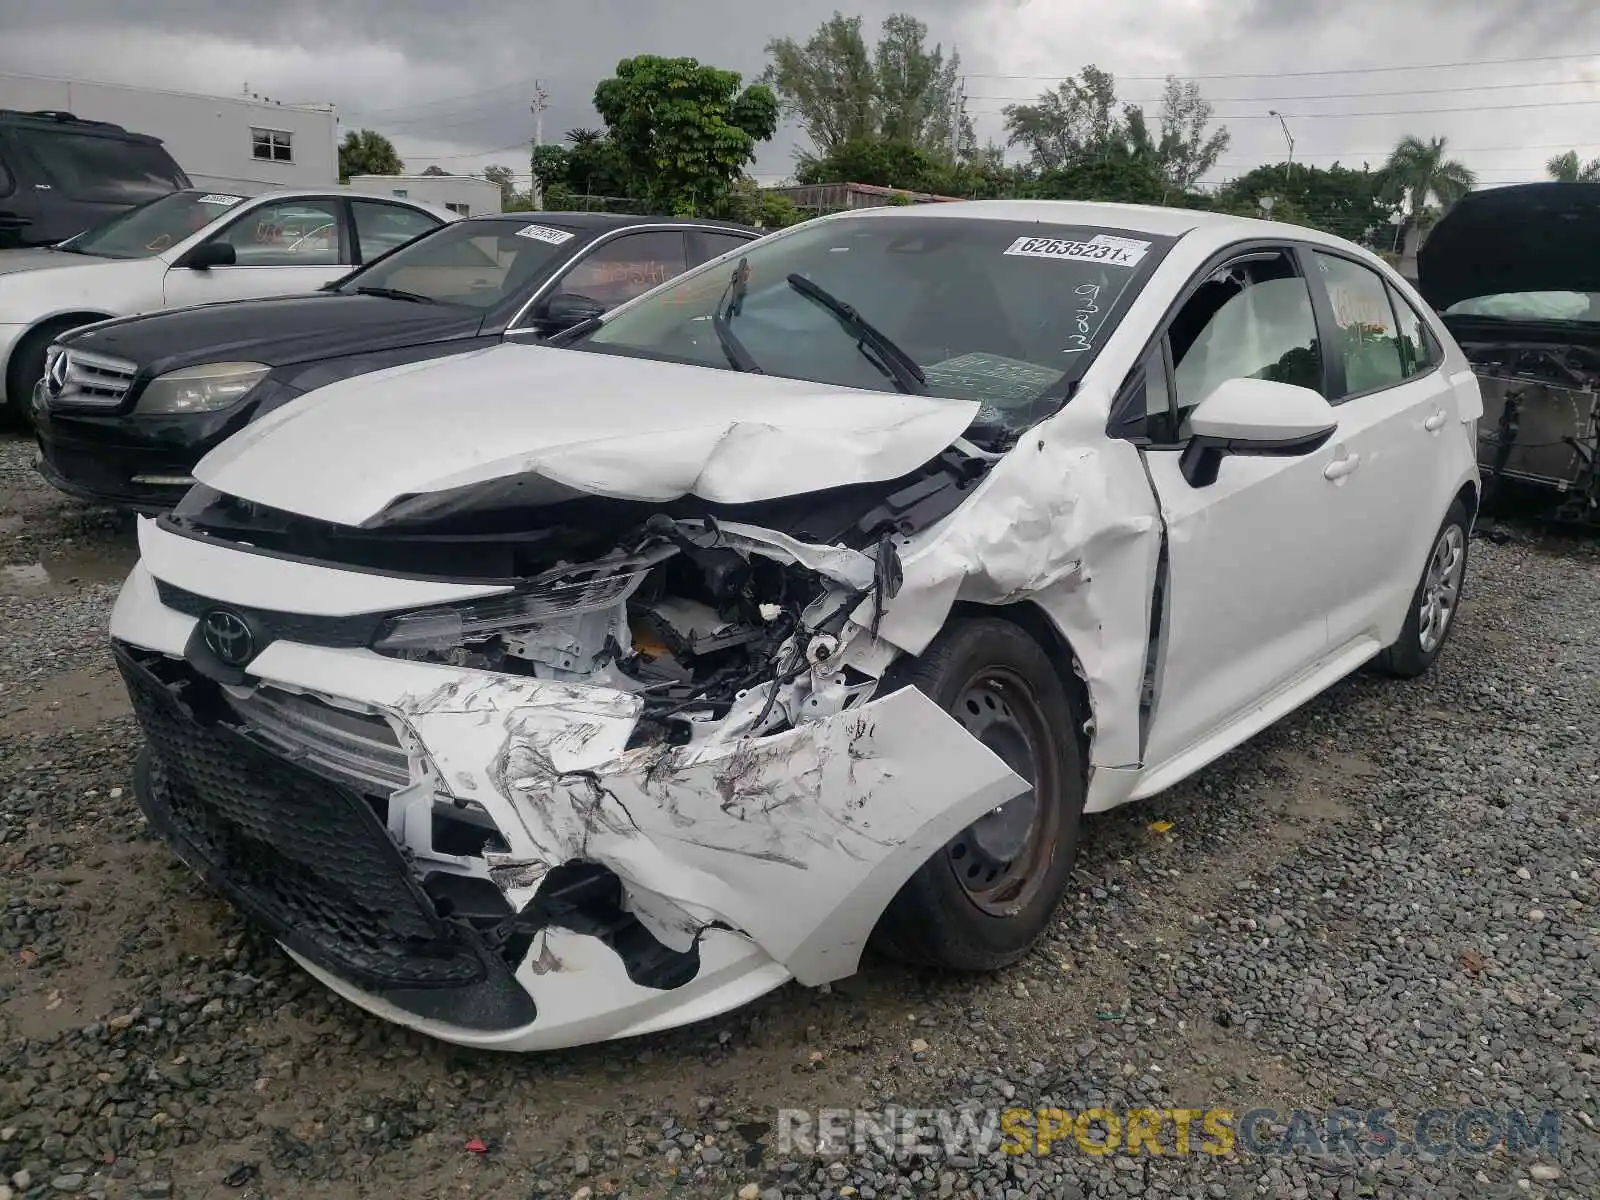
(484, 857)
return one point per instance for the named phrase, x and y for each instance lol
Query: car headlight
(200, 389)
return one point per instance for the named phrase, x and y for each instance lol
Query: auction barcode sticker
(544, 233)
(1102, 248)
(219, 198)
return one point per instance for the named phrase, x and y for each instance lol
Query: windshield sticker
(220, 200)
(1102, 248)
(544, 233)
(1084, 325)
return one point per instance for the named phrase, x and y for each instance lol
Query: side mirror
(1254, 417)
(566, 309)
(211, 254)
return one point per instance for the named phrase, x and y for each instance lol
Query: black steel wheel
(987, 896)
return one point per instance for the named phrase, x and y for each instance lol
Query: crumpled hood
(625, 428)
(1537, 237)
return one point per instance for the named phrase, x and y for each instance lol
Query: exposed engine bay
(1541, 420)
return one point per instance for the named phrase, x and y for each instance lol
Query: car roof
(599, 221)
(267, 191)
(1220, 228)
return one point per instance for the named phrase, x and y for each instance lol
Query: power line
(1479, 87)
(1346, 116)
(515, 83)
(1480, 62)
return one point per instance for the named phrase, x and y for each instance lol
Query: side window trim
(1327, 323)
(1119, 418)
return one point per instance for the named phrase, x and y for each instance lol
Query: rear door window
(102, 170)
(706, 246)
(380, 227)
(627, 266)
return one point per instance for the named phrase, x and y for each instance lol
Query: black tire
(1409, 657)
(27, 368)
(989, 673)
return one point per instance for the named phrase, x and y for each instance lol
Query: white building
(219, 141)
(468, 195)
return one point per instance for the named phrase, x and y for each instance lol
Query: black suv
(60, 175)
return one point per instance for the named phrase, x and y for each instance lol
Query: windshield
(1531, 306)
(476, 264)
(151, 228)
(1007, 313)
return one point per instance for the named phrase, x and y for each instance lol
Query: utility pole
(958, 97)
(540, 97)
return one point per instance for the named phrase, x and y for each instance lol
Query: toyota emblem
(228, 637)
(56, 374)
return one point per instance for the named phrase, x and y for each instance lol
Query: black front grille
(306, 857)
(339, 632)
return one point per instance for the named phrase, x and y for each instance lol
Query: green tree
(367, 152)
(1419, 171)
(685, 131)
(1189, 147)
(841, 92)
(1344, 201)
(1569, 168)
(1076, 118)
(435, 171)
(503, 179)
(891, 163)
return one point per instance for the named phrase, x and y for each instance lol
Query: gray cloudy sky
(450, 82)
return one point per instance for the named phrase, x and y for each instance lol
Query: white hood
(13, 261)
(626, 428)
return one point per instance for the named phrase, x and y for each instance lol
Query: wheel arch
(1036, 623)
(55, 322)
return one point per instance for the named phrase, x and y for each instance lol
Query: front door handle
(1436, 422)
(1340, 467)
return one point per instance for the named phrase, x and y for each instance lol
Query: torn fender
(1066, 522)
(798, 840)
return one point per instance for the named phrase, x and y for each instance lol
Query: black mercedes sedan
(127, 407)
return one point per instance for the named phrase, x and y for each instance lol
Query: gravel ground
(1388, 900)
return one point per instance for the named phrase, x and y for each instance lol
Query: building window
(272, 145)
(463, 209)
(401, 192)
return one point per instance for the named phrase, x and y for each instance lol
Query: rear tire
(986, 897)
(1431, 614)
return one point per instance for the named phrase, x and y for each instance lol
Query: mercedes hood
(279, 331)
(605, 425)
(1537, 237)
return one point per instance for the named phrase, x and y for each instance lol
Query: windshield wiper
(886, 356)
(396, 294)
(729, 304)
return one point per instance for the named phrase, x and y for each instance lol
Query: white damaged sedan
(548, 695)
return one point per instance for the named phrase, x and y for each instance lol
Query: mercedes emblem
(56, 374)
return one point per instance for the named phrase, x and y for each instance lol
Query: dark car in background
(127, 407)
(61, 174)
(1515, 274)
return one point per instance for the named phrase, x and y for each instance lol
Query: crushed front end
(599, 777)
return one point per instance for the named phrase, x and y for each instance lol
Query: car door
(281, 248)
(1393, 406)
(1253, 557)
(613, 270)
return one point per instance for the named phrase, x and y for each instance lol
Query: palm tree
(1417, 171)
(1569, 168)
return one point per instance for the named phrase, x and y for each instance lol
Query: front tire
(986, 897)
(26, 369)
(1431, 614)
